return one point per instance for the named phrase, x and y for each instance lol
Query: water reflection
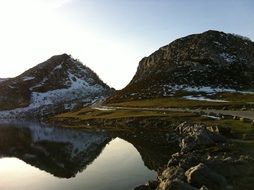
(79, 159)
(61, 152)
(155, 147)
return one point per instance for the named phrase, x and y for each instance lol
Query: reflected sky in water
(36, 158)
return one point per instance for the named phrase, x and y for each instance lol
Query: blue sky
(109, 36)
(163, 20)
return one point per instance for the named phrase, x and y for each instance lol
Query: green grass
(88, 113)
(244, 146)
(163, 102)
(236, 97)
(237, 126)
(79, 119)
(236, 100)
(183, 103)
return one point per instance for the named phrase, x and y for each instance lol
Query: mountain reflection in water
(80, 159)
(61, 152)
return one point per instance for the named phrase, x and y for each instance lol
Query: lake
(35, 156)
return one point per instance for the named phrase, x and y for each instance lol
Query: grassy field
(236, 97)
(237, 126)
(234, 103)
(88, 113)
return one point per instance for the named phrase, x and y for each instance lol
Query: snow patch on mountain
(228, 58)
(58, 67)
(204, 89)
(39, 84)
(26, 78)
(78, 89)
(202, 98)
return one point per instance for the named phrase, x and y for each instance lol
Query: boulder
(171, 173)
(201, 175)
(197, 136)
(220, 130)
(175, 185)
(151, 185)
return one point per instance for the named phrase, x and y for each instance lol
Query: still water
(39, 157)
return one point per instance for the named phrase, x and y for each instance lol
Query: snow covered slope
(56, 85)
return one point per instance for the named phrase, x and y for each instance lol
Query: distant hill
(59, 84)
(207, 63)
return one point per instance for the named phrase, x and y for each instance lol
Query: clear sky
(109, 36)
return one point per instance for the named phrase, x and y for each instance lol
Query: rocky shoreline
(206, 160)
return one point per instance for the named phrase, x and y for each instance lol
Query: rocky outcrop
(175, 184)
(201, 175)
(204, 161)
(59, 84)
(209, 62)
(196, 136)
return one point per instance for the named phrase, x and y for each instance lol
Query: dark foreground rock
(202, 175)
(205, 161)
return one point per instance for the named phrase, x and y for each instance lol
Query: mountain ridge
(212, 59)
(59, 83)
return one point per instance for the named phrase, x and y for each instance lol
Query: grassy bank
(89, 115)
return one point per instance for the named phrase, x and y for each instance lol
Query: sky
(109, 36)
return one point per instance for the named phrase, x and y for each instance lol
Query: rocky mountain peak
(60, 81)
(211, 59)
(211, 47)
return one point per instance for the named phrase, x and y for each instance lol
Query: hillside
(197, 67)
(59, 84)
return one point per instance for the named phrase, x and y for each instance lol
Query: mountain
(56, 85)
(209, 62)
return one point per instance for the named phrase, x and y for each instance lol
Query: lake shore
(198, 148)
